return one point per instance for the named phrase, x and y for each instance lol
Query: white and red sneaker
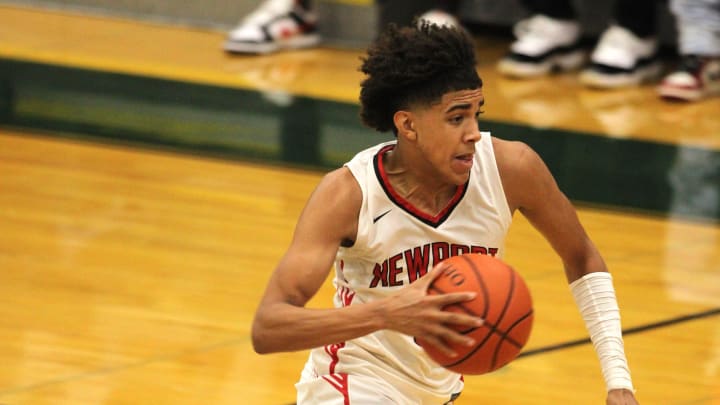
(274, 26)
(697, 77)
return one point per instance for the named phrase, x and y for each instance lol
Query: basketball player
(391, 215)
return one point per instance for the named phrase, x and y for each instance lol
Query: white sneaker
(621, 59)
(275, 25)
(698, 77)
(543, 45)
(439, 18)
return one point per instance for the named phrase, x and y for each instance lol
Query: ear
(405, 125)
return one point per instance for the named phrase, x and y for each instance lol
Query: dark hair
(414, 65)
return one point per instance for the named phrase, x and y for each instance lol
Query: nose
(472, 135)
(472, 131)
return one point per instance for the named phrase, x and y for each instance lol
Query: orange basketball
(503, 301)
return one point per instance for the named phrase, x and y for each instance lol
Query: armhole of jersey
(356, 167)
(504, 208)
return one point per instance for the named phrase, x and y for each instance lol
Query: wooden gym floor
(148, 185)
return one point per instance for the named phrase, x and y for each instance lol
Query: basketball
(503, 301)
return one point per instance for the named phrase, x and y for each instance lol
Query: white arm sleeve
(595, 297)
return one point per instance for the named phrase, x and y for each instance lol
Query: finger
(434, 273)
(437, 343)
(453, 298)
(448, 336)
(459, 319)
(459, 339)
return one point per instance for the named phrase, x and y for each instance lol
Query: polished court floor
(148, 188)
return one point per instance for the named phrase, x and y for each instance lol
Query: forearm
(284, 327)
(595, 297)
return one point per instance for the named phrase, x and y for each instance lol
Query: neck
(420, 187)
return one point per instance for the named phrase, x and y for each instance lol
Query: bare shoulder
(340, 185)
(334, 206)
(523, 173)
(514, 157)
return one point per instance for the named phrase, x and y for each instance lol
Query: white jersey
(395, 245)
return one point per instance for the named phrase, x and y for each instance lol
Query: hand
(621, 397)
(413, 312)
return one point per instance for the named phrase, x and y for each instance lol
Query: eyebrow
(464, 106)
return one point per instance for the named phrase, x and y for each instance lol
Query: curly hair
(412, 66)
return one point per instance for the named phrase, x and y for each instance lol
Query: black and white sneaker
(274, 26)
(622, 59)
(543, 45)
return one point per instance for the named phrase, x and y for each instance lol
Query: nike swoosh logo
(377, 218)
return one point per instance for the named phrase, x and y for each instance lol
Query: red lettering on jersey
(394, 270)
(441, 251)
(417, 260)
(484, 250)
(457, 250)
(380, 275)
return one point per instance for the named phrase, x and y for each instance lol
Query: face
(444, 135)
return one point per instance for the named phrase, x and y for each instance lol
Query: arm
(282, 323)
(532, 190)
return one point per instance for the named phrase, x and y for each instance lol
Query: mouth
(464, 162)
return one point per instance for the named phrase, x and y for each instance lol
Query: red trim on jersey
(346, 295)
(339, 381)
(407, 205)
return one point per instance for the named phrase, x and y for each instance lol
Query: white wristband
(595, 297)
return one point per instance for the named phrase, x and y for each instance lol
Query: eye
(456, 119)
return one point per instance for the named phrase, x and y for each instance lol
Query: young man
(391, 215)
